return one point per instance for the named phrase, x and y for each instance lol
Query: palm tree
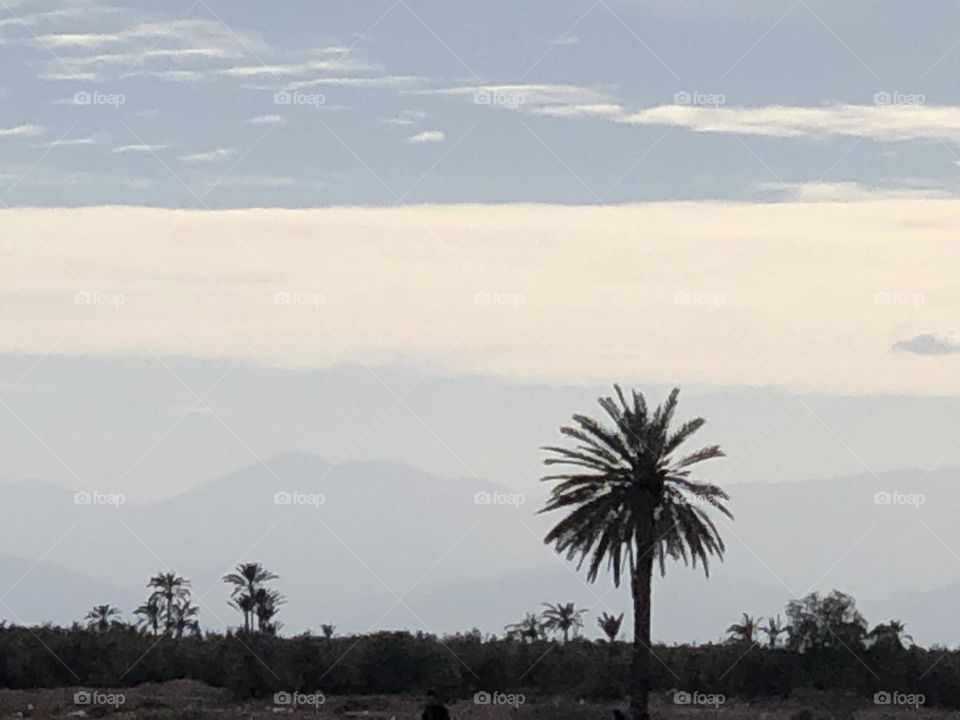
(773, 630)
(149, 613)
(169, 589)
(889, 636)
(527, 630)
(632, 502)
(563, 617)
(328, 630)
(100, 617)
(266, 605)
(744, 631)
(186, 614)
(246, 581)
(610, 624)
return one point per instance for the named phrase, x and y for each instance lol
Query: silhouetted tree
(149, 615)
(773, 630)
(889, 636)
(630, 503)
(744, 631)
(101, 617)
(328, 630)
(247, 581)
(562, 617)
(610, 624)
(168, 590)
(527, 630)
(830, 621)
(186, 615)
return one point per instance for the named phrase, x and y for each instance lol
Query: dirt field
(188, 700)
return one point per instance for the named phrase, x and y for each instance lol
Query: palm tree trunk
(640, 680)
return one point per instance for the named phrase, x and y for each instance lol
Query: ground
(188, 700)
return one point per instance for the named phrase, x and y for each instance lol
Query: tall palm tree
(168, 590)
(610, 624)
(247, 580)
(101, 617)
(527, 630)
(773, 630)
(631, 501)
(150, 613)
(562, 617)
(746, 630)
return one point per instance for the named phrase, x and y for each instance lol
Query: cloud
(847, 191)
(267, 120)
(69, 142)
(543, 99)
(208, 156)
(927, 345)
(21, 131)
(426, 137)
(879, 122)
(136, 149)
(405, 118)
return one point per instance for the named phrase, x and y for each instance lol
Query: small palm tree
(610, 624)
(631, 502)
(149, 614)
(101, 617)
(773, 630)
(563, 617)
(186, 618)
(890, 636)
(266, 606)
(328, 630)
(529, 629)
(247, 580)
(168, 590)
(744, 631)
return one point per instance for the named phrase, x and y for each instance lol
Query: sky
(422, 233)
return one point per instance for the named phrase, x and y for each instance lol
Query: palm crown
(630, 493)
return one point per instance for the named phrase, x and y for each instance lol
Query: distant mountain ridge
(375, 544)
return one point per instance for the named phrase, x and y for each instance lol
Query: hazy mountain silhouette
(385, 530)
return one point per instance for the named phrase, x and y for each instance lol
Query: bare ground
(189, 700)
